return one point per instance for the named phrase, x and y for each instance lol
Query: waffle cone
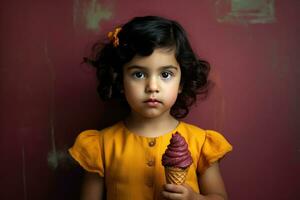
(175, 175)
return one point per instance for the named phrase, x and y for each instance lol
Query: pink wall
(47, 97)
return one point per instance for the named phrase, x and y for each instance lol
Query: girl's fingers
(171, 196)
(174, 188)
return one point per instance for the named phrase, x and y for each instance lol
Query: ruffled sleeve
(87, 151)
(214, 148)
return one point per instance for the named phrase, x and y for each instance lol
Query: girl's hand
(179, 192)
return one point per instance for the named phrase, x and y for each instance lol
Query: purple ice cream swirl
(177, 153)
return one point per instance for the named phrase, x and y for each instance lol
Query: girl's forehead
(159, 57)
(165, 51)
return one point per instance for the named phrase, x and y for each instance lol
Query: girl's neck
(150, 127)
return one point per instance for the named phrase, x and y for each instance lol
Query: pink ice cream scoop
(177, 154)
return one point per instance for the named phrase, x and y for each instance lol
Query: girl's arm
(212, 185)
(93, 187)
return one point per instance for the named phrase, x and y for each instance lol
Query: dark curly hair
(140, 36)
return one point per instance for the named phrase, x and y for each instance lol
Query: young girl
(149, 65)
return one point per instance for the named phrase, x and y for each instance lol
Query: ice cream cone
(175, 175)
(177, 159)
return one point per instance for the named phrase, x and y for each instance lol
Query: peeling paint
(90, 14)
(245, 11)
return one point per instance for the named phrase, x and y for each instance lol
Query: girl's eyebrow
(146, 68)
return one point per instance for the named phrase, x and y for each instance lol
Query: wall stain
(280, 62)
(24, 173)
(95, 13)
(58, 158)
(76, 11)
(90, 14)
(245, 11)
(220, 108)
(54, 158)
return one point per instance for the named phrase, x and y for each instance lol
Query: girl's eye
(138, 75)
(166, 75)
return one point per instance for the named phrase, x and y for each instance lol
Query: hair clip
(113, 36)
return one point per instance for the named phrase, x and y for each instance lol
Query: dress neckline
(122, 123)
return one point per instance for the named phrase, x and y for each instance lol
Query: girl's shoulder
(93, 134)
(195, 133)
(208, 145)
(196, 130)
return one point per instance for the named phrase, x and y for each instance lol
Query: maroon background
(47, 97)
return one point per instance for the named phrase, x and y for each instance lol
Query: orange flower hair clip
(113, 36)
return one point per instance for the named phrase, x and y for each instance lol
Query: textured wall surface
(47, 97)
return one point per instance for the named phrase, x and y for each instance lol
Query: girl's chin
(152, 114)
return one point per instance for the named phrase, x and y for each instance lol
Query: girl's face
(152, 83)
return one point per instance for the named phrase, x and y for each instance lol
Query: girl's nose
(152, 85)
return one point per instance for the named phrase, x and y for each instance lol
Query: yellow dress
(131, 164)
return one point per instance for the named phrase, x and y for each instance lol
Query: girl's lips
(152, 102)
